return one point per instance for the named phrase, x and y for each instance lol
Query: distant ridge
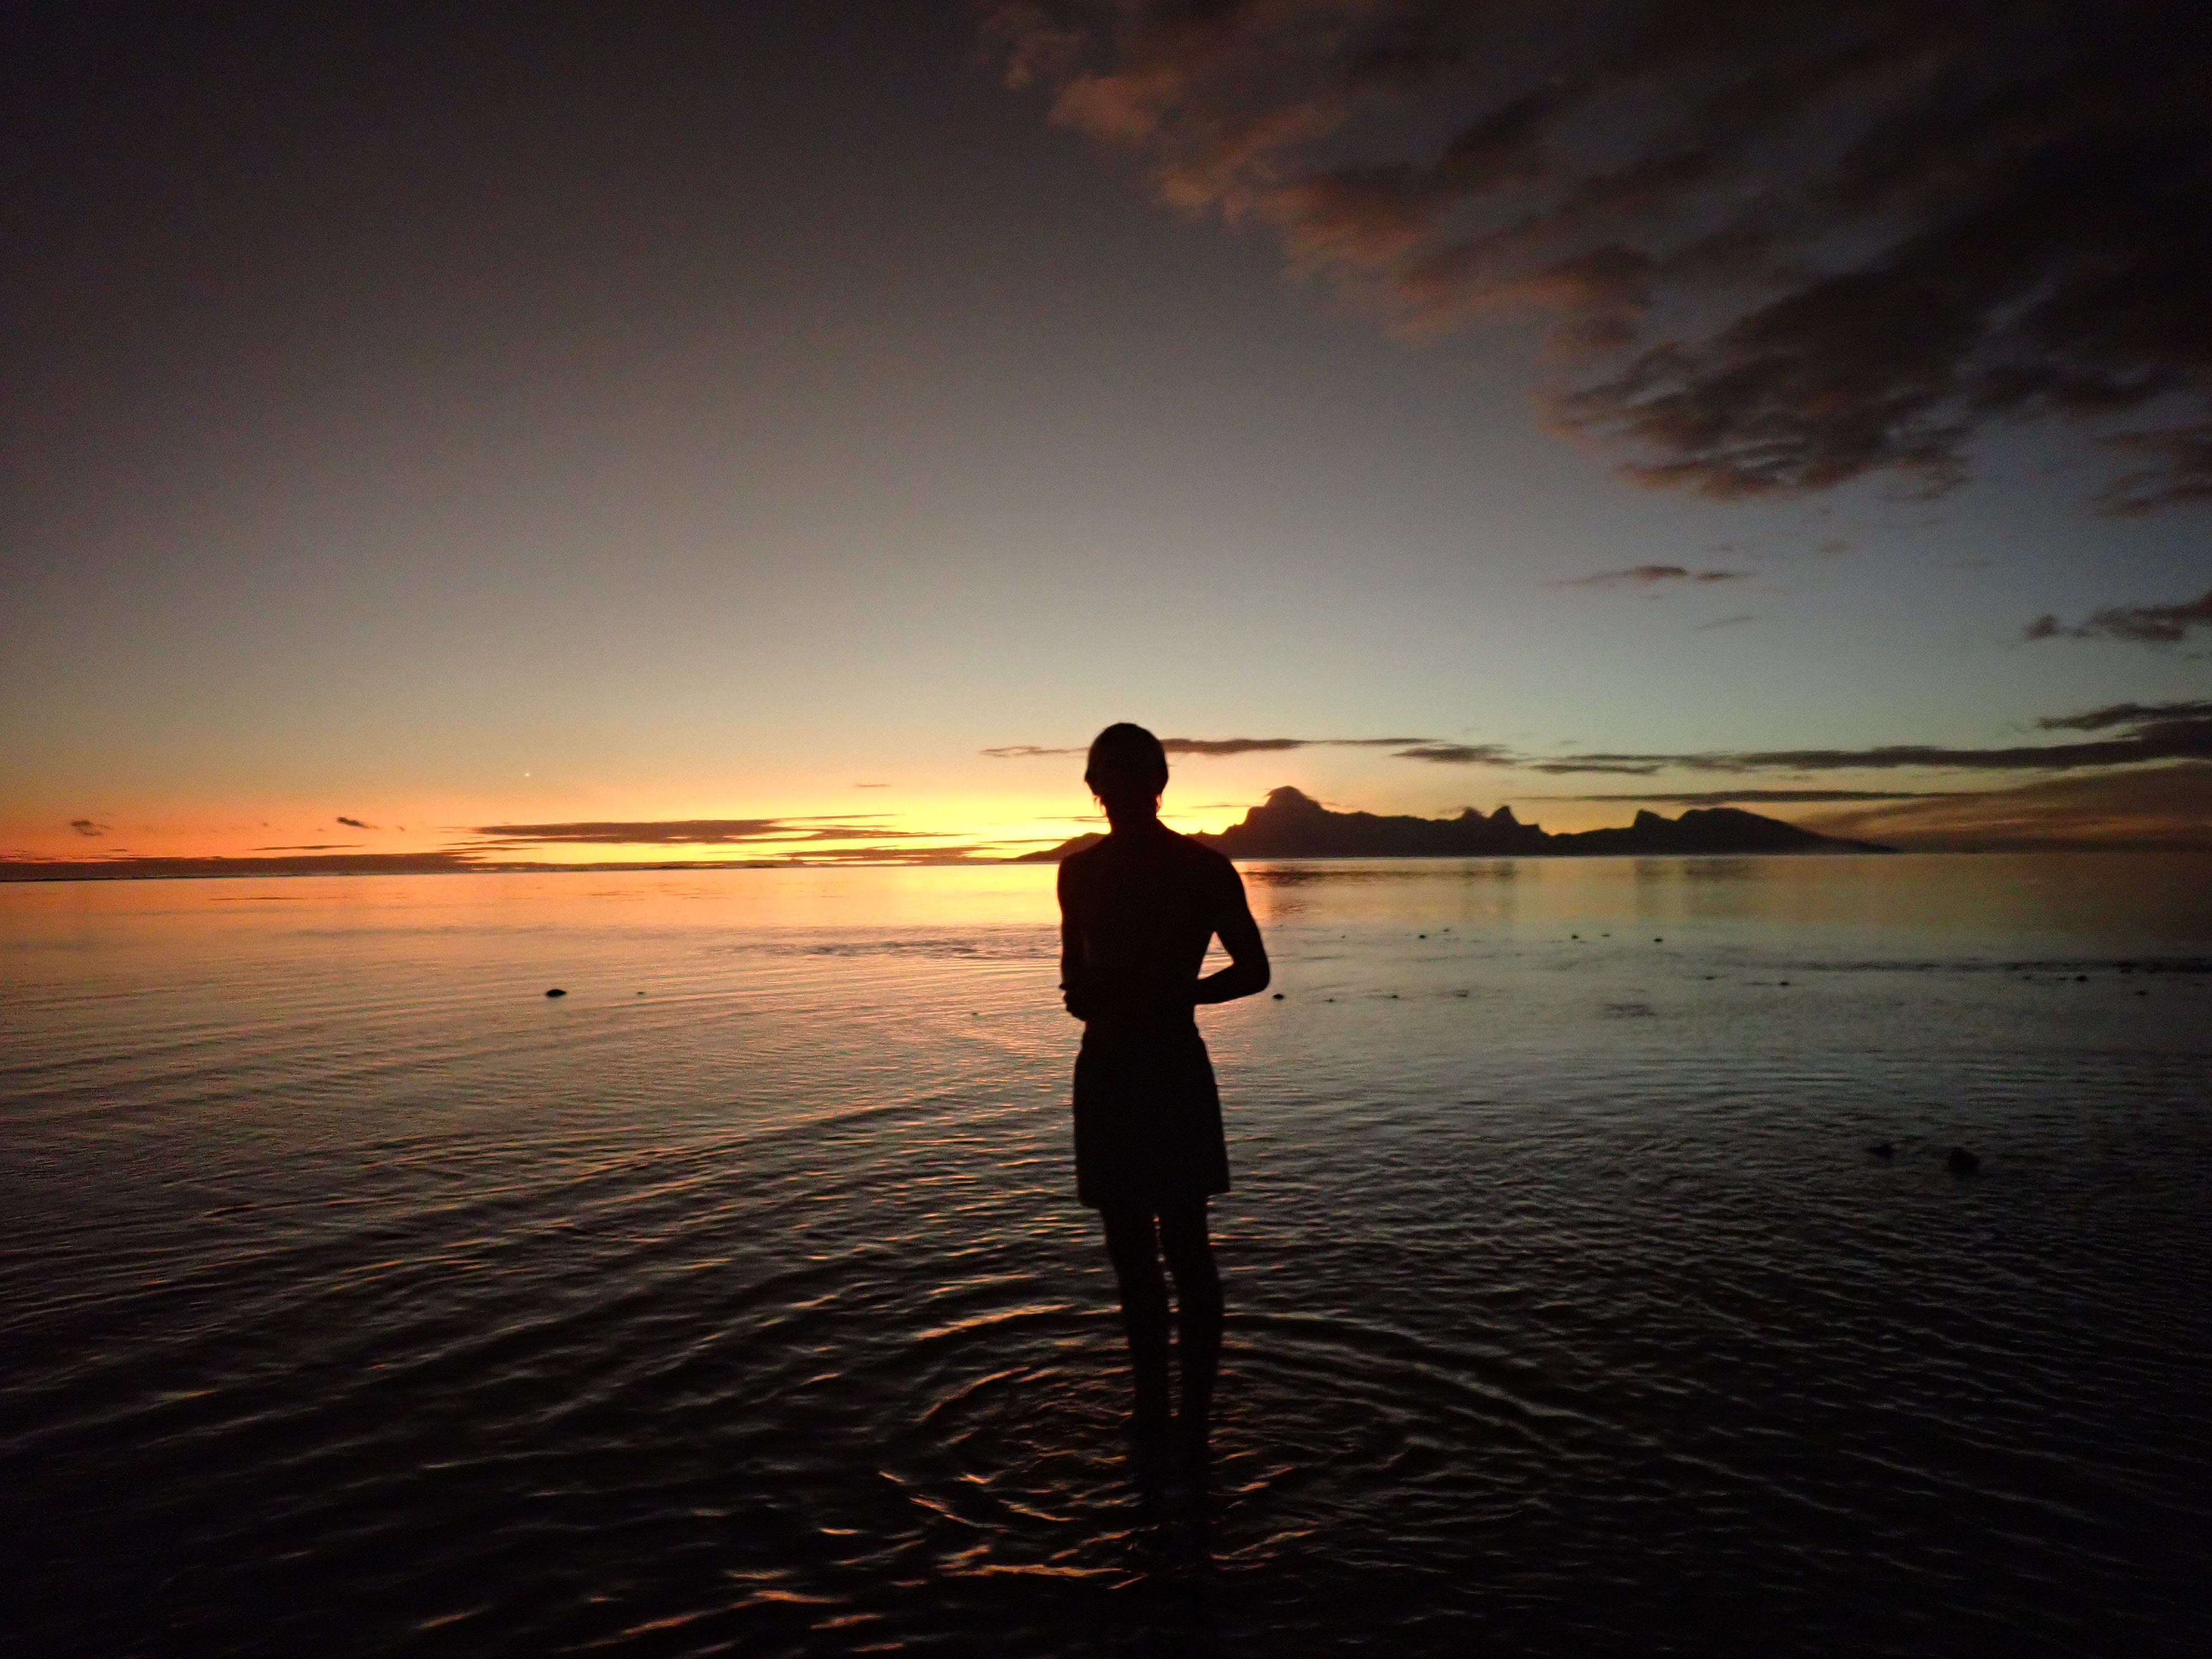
(1292, 824)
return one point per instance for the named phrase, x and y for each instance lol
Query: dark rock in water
(1278, 996)
(1883, 1149)
(1961, 1162)
(556, 991)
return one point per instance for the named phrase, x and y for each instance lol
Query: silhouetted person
(1137, 912)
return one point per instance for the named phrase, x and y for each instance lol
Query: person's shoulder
(1080, 865)
(1211, 861)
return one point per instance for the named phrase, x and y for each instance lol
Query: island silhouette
(1292, 824)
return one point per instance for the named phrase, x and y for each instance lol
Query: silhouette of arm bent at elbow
(1248, 973)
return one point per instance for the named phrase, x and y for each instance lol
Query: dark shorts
(1147, 1123)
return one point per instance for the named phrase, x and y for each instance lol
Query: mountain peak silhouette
(1292, 824)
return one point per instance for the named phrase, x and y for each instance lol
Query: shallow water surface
(360, 1298)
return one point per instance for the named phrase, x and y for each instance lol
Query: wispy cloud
(2168, 806)
(1757, 797)
(2145, 732)
(2140, 733)
(683, 832)
(1457, 754)
(87, 827)
(1650, 575)
(258, 864)
(2129, 715)
(1410, 748)
(354, 823)
(1807, 243)
(2136, 624)
(1723, 622)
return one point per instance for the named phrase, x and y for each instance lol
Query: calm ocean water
(359, 1298)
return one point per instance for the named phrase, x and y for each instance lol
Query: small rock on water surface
(556, 991)
(1961, 1162)
(1883, 1149)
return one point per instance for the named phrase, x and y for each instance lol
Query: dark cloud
(2152, 806)
(87, 827)
(1770, 797)
(1650, 575)
(1456, 754)
(1219, 746)
(2140, 715)
(2143, 733)
(2157, 732)
(2140, 733)
(323, 864)
(1233, 745)
(1271, 746)
(356, 824)
(2138, 624)
(681, 832)
(1812, 243)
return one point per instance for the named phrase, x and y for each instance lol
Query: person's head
(1128, 771)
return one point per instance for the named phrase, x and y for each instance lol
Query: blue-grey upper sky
(589, 415)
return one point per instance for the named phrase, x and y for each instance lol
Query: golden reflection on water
(2153, 895)
(742, 1291)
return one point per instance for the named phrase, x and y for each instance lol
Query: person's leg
(1197, 1315)
(1134, 1246)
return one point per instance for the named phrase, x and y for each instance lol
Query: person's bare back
(1138, 911)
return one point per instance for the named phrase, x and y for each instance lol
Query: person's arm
(1074, 992)
(1247, 974)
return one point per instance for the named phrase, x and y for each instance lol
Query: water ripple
(368, 1304)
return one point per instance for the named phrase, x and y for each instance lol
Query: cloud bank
(1789, 245)
(1768, 797)
(2159, 806)
(2136, 624)
(1650, 575)
(681, 832)
(1411, 748)
(2137, 733)
(2141, 733)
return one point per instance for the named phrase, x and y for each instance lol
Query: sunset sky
(653, 430)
